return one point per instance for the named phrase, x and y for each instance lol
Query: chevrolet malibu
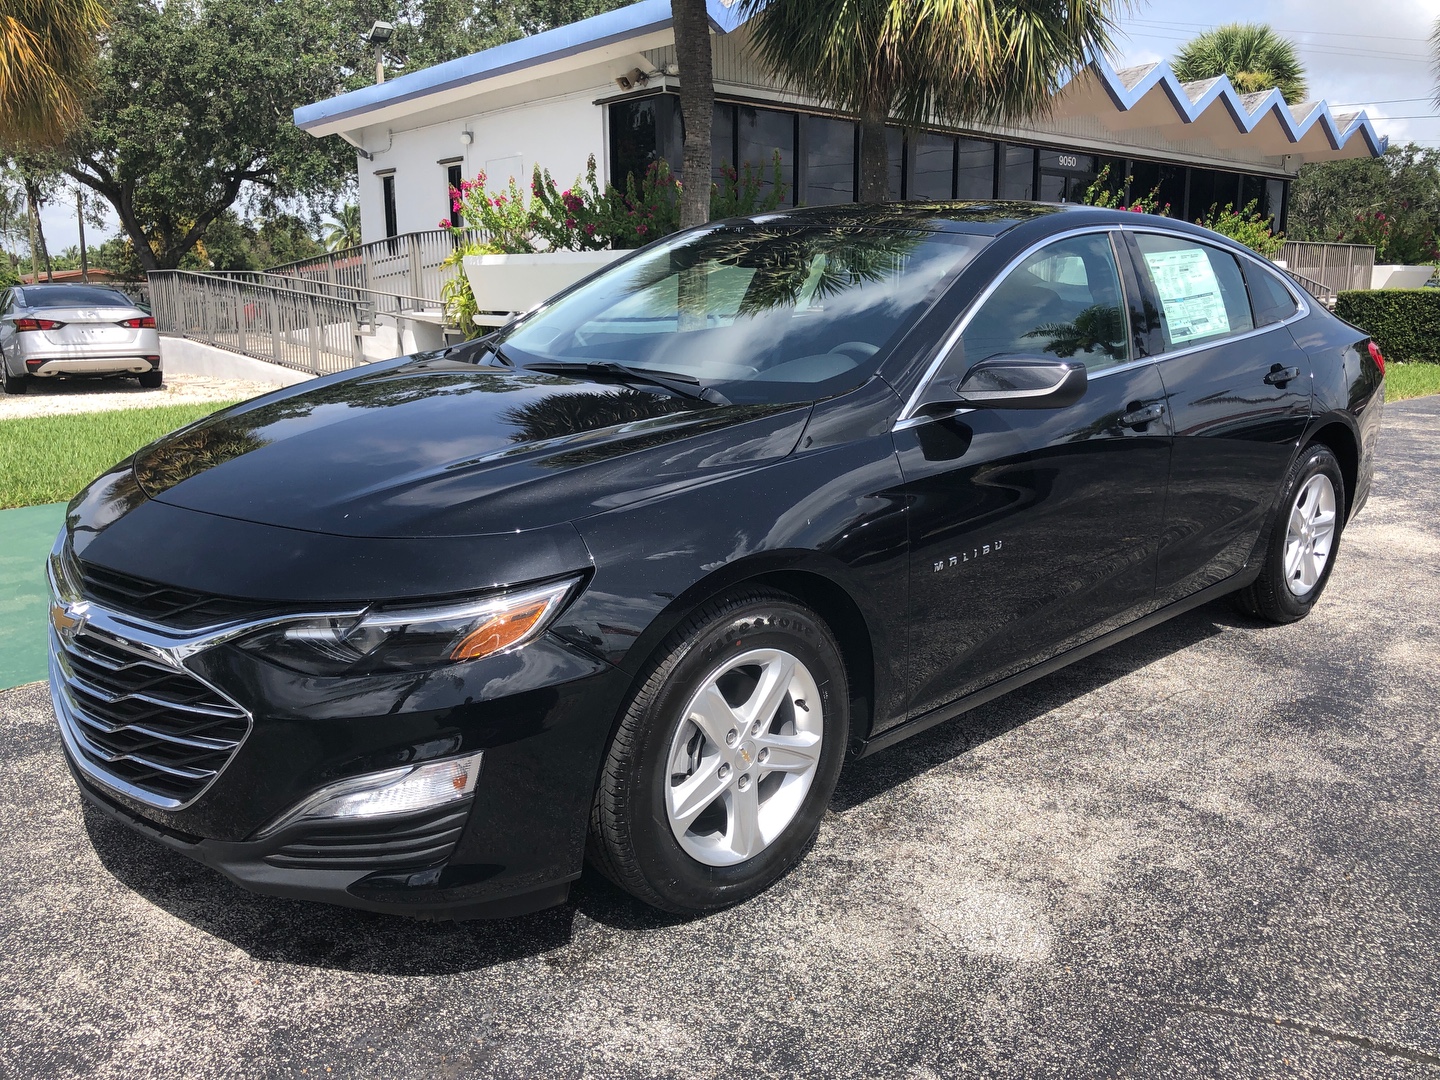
(631, 578)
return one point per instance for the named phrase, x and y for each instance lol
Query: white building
(607, 86)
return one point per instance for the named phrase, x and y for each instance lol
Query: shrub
(1405, 323)
(1248, 226)
(1106, 194)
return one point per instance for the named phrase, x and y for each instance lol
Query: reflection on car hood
(436, 447)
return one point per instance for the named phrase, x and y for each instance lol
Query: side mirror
(1012, 382)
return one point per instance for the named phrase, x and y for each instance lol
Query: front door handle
(1279, 376)
(1140, 417)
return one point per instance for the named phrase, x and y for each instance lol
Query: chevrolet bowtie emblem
(745, 755)
(67, 617)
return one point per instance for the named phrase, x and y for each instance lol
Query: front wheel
(1303, 540)
(725, 759)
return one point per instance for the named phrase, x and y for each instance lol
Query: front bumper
(539, 715)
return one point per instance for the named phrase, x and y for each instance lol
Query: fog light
(406, 790)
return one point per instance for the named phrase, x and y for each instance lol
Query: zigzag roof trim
(1127, 86)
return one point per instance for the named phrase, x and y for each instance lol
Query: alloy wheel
(1310, 534)
(744, 756)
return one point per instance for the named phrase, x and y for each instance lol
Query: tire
(730, 657)
(1307, 525)
(12, 384)
(151, 380)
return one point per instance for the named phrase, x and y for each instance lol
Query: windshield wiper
(473, 351)
(674, 381)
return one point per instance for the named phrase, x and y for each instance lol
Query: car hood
(429, 446)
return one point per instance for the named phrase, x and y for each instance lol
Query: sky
(1371, 54)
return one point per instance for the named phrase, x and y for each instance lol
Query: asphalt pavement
(1207, 852)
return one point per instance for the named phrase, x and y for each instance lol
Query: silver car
(52, 330)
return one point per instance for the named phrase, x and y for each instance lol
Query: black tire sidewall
(1315, 460)
(680, 879)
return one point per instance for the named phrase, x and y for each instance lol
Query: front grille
(180, 609)
(135, 719)
(374, 845)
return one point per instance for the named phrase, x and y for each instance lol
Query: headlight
(402, 640)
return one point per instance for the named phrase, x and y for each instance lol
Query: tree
(193, 107)
(1392, 202)
(1254, 57)
(343, 229)
(691, 21)
(46, 49)
(937, 61)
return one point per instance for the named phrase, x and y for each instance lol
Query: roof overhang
(589, 42)
(1135, 105)
(1151, 98)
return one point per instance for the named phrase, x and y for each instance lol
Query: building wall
(557, 133)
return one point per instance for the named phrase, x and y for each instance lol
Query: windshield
(761, 313)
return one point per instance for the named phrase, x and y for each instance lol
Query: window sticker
(1189, 293)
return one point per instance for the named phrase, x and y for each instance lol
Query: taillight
(1375, 355)
(37, 324)
(142, 322)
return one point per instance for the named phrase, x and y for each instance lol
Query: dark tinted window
(1063, 301)
(1270, 299)
(932, 172)
(1018, 179)
(761, 133)
(975, 177)
(829, 161)
(895, 150)
(1202, 295)
(38, 296)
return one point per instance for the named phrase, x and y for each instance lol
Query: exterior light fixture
(379, 35)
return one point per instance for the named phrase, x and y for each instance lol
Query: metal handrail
(1336, 266)
(296, 327)
(381, 303)
(410, 264)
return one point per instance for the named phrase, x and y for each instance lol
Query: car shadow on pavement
(868, 777)
(322, 936)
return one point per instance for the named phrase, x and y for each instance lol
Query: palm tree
(343, 229)
(927, 61)
(1254, 56)
(46, 50)
(691, 21)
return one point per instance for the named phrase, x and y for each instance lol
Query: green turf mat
(25, 538)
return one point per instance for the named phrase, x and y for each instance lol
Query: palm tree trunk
(874, 153)
(697, 106)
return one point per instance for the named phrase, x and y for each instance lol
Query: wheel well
(847, 623)
(1341, 442)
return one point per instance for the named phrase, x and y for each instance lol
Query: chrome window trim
(908, 419)
(907, 416)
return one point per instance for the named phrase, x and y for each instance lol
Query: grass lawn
(1411, 380)
(46, 459)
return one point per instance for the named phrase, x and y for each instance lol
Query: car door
(1239, 394)
(1033, 530)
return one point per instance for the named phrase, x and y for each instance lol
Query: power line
(1381, 101)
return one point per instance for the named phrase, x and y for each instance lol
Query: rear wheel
(151, 380)
(12, 384)
(1303, 540)
(725, 759)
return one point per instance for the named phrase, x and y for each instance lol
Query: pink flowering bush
(1102, 193)
(1247, 226)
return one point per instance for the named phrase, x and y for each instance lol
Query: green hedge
(1405, 323)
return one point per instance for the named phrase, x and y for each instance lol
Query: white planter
(507, 283)
(1400, 277)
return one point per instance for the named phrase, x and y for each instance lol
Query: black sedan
(633, 576)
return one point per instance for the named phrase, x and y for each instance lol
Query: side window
(1063, 301)
(1201, 291)
(1270, 299)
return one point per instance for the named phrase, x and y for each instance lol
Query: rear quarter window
(1271, 300)
(1201, 290)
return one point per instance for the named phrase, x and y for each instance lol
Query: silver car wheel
(744, 756)
(1310, 534)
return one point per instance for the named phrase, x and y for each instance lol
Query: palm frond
(46, 51)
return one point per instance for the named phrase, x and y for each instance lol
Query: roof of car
(989, 218)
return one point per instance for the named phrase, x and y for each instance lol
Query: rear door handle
(1279, 376)
(1138, 418)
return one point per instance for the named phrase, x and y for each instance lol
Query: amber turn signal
(500, 631)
